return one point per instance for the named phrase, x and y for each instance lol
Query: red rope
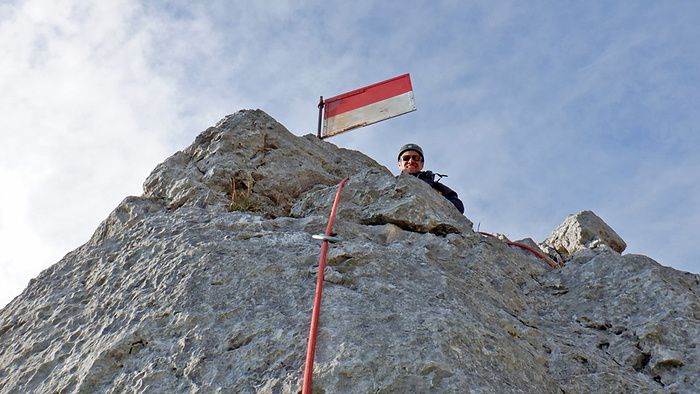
(536, 253)
(311, 350)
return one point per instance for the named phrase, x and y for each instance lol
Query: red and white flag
(368, 105)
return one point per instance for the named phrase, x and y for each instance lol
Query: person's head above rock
(411, 159)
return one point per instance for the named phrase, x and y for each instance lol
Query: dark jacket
(429, 178)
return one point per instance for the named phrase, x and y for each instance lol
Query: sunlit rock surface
(205, 283)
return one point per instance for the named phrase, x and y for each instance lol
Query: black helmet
(414, 147)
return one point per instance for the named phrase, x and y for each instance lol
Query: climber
(411, 161)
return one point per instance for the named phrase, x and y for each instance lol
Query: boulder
(584, 230)
(375, 197)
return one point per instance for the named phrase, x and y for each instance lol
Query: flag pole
(320, 116)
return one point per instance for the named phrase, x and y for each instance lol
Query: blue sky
(535, 110)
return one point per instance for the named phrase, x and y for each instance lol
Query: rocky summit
(205, 284)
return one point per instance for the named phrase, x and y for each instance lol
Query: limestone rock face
(199, 287)
(249, 162)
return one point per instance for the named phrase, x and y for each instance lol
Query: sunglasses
(409, 157)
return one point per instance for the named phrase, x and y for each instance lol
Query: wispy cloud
(83, 118)
(535, 110)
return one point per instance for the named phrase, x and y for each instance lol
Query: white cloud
(20, 244)
(83, 122)
(534, 111)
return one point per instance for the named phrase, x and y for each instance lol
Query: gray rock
(582, 231)
(636, 312)
(250, 162)
(189, 288)
(376, 197)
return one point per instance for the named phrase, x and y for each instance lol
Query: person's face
(410, 162)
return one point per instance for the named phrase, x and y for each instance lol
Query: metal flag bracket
(321, 104)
